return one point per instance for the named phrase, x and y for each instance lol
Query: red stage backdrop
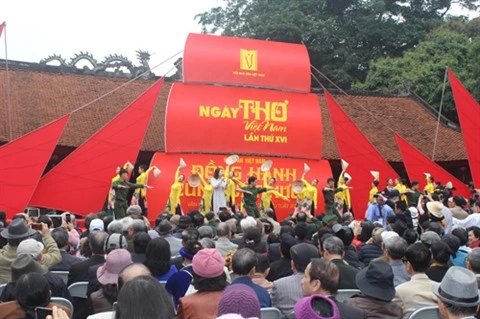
(214, 119)
(247, 62)
(417, 164)
(286, 171)
(468, 111)
(362, 156)
(22, 163)
(80, 183)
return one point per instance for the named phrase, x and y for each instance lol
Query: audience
(31, 291)
(239, 299)
(142, 291)
(60, 235)
(223, 243)
(107, 276)
(333, 250)
(377, 292)
(457, 294)
(441, 254)
(140, 243)
(372, 248)
(288, 290)
(395, 248)
(190, 256)
(243, 264)
(261, 272)
(157, 259)
(418, 291)
(322, 277)
(209, 279)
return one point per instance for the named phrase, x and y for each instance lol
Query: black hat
(165, 227)
(17, 229)
(376, 281)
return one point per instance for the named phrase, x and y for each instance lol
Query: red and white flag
(2, 26)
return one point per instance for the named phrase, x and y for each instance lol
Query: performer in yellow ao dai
(269, 182)
(174, 205)
(310, 193)
(343, 196)
(206, 205)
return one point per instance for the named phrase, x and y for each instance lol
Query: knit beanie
(304, 308)
(208, 263)
(239, 299)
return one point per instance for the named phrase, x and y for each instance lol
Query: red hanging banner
(468, 111)
(285, 171)
(246, 62)
(215, 119)
(417, 164)
(22, 163)
(80, 182)
(361, 155)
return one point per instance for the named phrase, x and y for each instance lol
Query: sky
(37, 29)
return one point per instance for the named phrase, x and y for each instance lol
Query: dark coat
(368, 252)
(79, 271)
(67, 262)
(376, 309)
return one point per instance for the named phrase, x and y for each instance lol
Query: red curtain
(22, 163)
(361, 155)
(468, 111)
(417, 164)
(80, 183)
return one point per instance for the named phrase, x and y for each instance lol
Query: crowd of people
(405, 254)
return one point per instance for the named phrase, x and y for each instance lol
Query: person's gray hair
(334, 245)
(347, 216)
(396, 247)
(248, 222)
(268, 212)
(223, 230)
(474, 259)
(138, 226)
(115, 227)
(207, 243)
(126, 223)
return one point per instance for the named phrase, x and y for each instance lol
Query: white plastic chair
(62, 274)
(270, 313)
(63, 302)
(79, 289)
(430, 312)
(344, 294)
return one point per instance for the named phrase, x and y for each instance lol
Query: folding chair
(430, 312)
(61, 274)
(79, 289)
(270, 313)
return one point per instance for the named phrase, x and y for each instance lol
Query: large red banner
(468, 111)
(22, 163)
(80, 183)
(417, 164)
(246, 62)
(362, 156)
(286, 171)
(214, 119)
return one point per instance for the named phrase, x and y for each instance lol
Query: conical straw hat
(130, 167)
(266, 166)
(297, 186)
(182, 163)
(306, 168)
(344, 165)
(156, 172)
(376, 175)
(194, 180)
(232, 159)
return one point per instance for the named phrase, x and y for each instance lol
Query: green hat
(329, 218)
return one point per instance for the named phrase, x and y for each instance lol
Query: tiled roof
(39, 97)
